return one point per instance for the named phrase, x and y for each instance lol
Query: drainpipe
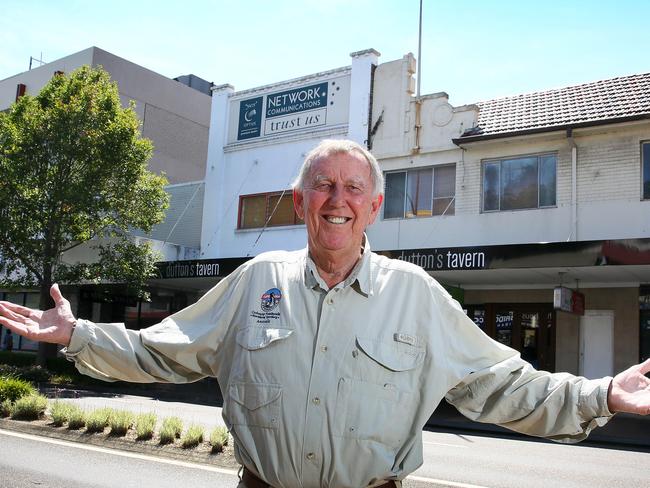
(573, 236)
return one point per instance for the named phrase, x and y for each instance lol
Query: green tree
(73, 169)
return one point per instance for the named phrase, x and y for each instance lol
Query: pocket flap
(253, 338)
(393, 355)
(254, 395)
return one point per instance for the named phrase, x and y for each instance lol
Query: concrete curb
(224, 460)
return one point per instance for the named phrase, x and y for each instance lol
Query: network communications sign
(304, 107)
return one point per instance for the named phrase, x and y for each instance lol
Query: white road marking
(434, 481)
(117, 452)
(185, 464)
(443, 444)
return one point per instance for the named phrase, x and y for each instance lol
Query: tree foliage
(73, 169)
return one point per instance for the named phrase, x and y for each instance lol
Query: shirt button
(323, 348)
(316, 401)
(310, 456)
(330, 301)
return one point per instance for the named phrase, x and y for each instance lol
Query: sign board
(198, 268)
(568, 300)
(315, 104)
(250, 118)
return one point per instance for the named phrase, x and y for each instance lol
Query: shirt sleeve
(184, 347)
(497, 386)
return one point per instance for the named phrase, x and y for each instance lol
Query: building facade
(505, 200)
(175, 115)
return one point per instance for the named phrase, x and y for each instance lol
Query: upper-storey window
(518, 183)
(420, 192)
(267, 209)
(645, 177)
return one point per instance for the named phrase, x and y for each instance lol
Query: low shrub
(8, 370)
(97, 420)
(192, 437)
(120, 422)
(76, 418)
(62, 379)
(17, 358)
(170, 430)
(218, 439)
(60, 365)
(60, 412)
(14, 388)
(145, 425)
(29, 407)
(5, 408)
(34, 374)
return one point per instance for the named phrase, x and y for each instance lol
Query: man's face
(337, 203)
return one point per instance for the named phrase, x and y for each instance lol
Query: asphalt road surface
(450, 460)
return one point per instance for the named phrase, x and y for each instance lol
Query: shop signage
(443, 258)
(250, 118)
(521, 256)
(198, 268)
(568, 300)
(284, 111)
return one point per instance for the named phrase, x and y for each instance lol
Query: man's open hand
(54, 325)
(630, 390)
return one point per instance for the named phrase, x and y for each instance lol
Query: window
(645, 177)
(519, 183)
(276, 208)
(420, 192)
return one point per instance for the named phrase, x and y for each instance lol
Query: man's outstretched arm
(54, 325)
(629, 391)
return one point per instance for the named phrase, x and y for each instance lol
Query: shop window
(267, 209)
(26, 299)
(420, 192)
(645, 177)
(644, 329)
(519, 183)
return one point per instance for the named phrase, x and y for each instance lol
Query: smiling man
(331, 359)
(337, 194)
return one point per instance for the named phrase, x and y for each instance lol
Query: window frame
(644, 196)
(268, 196)
(538, 156)
(434, 197)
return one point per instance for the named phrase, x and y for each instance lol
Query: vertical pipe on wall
(573, 235)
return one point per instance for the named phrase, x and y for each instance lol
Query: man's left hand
(630, 390)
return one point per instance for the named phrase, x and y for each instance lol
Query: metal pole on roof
(418, 101)
(419, 51)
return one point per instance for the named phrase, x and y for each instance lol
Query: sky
(473, 50)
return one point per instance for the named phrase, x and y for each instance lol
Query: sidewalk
(200, 403)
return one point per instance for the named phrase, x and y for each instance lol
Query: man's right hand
(54, 325)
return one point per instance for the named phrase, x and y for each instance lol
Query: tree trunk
(45, 350)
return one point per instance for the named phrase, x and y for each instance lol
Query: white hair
(330, 147)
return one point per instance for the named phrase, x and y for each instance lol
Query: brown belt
(252, 481)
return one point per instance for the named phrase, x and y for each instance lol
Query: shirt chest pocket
(254, 393)
(378, 403)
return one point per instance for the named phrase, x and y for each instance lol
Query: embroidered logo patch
(270, 299)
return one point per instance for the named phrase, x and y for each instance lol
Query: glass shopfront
(528, 328)
(26, 299)
(644, 323)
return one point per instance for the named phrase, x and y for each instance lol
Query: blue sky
(473, 50)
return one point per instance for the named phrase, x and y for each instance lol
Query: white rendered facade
(248, 163)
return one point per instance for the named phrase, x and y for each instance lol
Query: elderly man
(331, 359)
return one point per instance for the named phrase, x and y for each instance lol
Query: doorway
(596, 344)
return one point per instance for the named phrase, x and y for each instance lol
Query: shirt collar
(359, 278)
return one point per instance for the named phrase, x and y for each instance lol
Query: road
(450, 460)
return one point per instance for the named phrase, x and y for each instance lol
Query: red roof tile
(625, 97)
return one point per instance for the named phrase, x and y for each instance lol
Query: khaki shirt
(332, 387)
